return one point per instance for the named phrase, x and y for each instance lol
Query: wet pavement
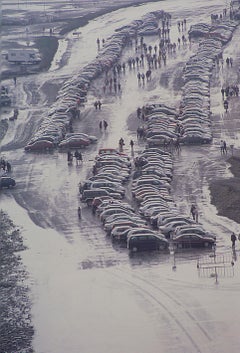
(89, 295)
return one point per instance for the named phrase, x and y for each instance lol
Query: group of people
(230, 91)
(182, 25)
(77, 154)
(112, 83)
(229, 61)
(153, 54)
(5, 165)
(99, 42)
(223, 147)
(97, 104)
(103, 124)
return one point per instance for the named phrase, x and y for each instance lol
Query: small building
(23, 56)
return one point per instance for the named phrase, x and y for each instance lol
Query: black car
(146, 242)
(6, 182)
(5, 100)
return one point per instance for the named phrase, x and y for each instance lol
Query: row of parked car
(153, 194)
(120, 220)
(161, 125)
(154, 221)
(73, 93)
(5, 99)
(195, 104)
(222, 30)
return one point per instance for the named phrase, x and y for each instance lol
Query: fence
(217, 265)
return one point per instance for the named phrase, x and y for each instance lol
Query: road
(89, 296)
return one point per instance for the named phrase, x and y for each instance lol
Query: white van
(23, 56)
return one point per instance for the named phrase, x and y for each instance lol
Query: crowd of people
(77, 155)
(5, 165)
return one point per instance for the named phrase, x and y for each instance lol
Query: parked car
(6, 182)
(192, 237)
(88, 195)
(146, 241)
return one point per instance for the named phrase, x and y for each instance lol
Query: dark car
(88, 195)
(6, 182)
(146, 241)
(5, 100)
(192, 237)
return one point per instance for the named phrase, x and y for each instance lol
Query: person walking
(100, 125)
(224, 147)
(132, 144)
(121, 144)
(222, 91)
(76, 155)
(69, 157)
(105, 124)
(95, 104)
(225, 104)
(80, 188)
(79, 212)
(194, 212)
(233, 239)
(9, 167)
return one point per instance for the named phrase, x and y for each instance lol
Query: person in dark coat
(79, 212)
(105, 124)
(233, 239)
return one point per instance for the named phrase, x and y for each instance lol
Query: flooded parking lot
(87, 293)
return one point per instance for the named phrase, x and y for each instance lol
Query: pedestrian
(131, 144)
(221, 147)
(231, 62)
(139, 112)
(76, 156)
(99, 105)
(121, 144)
(194, 212)
(224, 147)
(80, 188)
(105, 124)
(222, 91)
(233, 239)
(69, 157)
(9, 167)
(225, 104)
(79, 212)
(100, 125)
(95, 104)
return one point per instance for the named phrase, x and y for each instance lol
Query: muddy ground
(225, 193)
